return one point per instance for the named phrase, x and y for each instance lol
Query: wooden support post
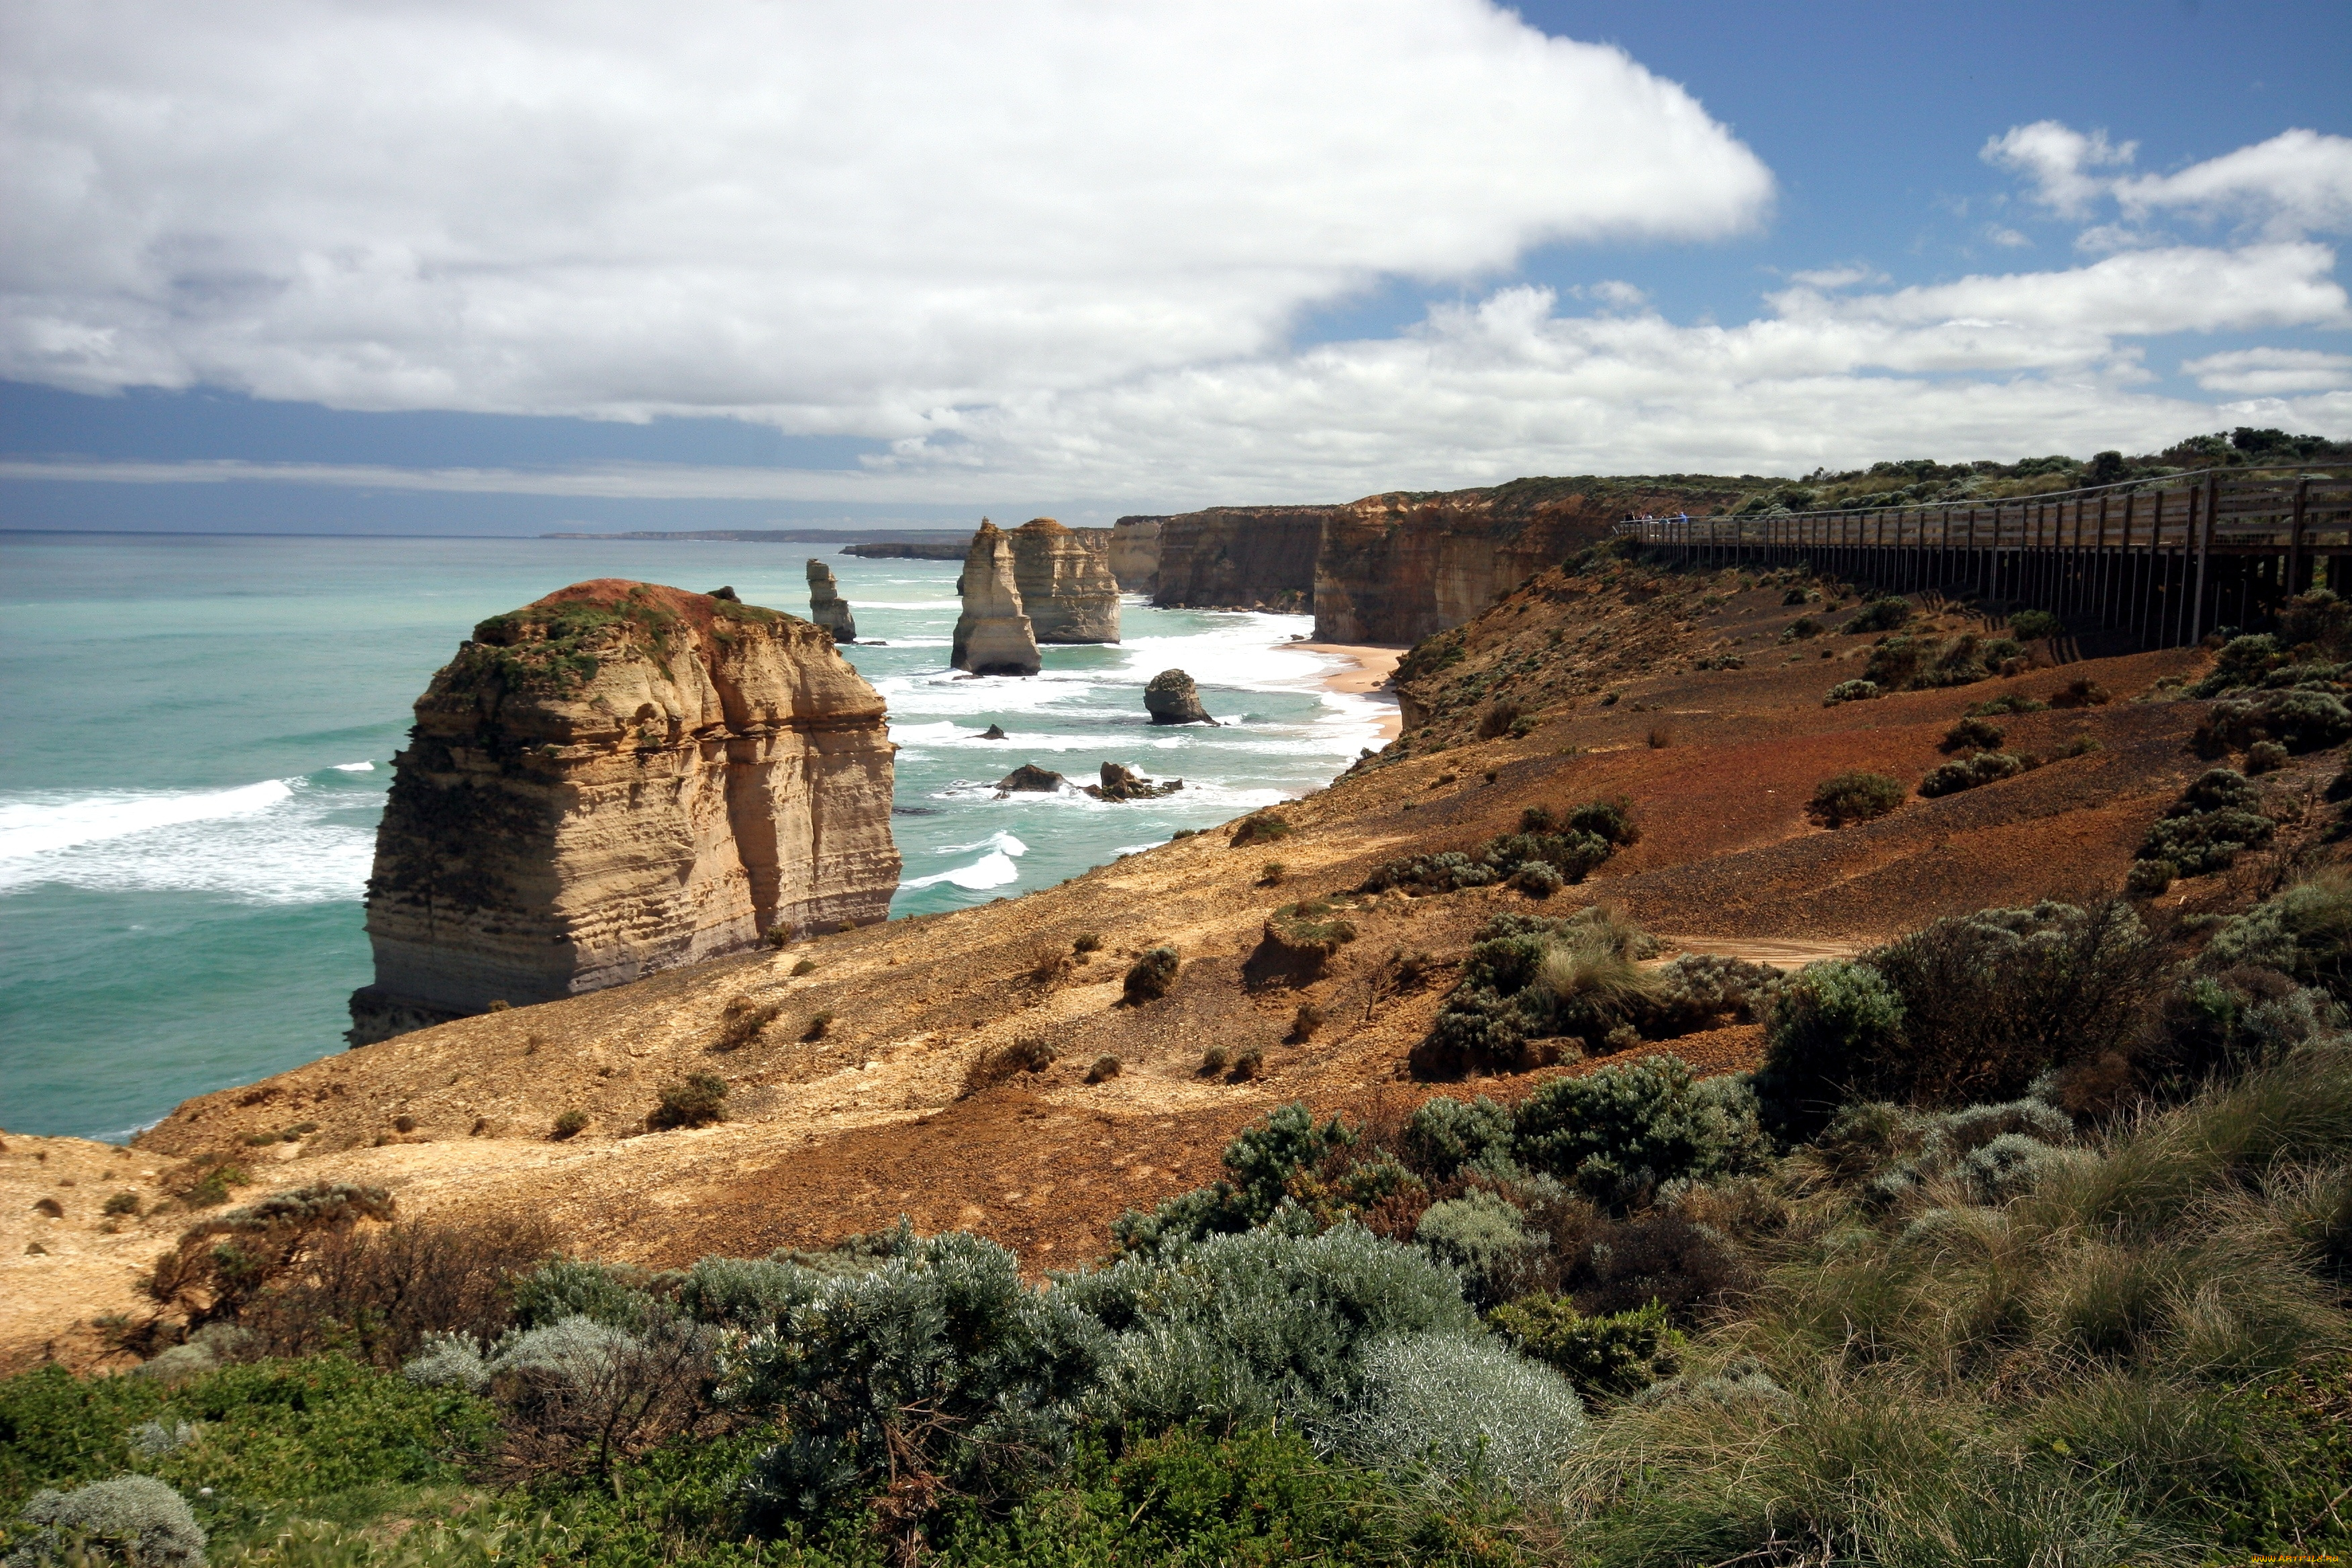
(2294, 568)
(2200, 523)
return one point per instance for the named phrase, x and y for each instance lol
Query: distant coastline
(791, 535)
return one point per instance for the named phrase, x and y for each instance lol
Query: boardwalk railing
(2166, 561)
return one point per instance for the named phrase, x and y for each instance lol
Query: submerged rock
(1029, 777)
(993, 636)
(994, 732)
(1066, 582)
(1122, 783)
(1172, 699)
(827, 608)
(615, 780)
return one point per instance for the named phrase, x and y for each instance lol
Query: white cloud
(2057, 158)
(2009, 239)
(1838, 277)
(1614, 292)
(2297, 183)
(2270, 371)
(836, 216)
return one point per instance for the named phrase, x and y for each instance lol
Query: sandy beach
(1374, 663)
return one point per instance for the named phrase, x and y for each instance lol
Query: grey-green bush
(1827, 1018)
(1482, 1236)
(576, 1287)
(1460, 1412)
(1969, 773)
(133, 1519)
(1445, 1136)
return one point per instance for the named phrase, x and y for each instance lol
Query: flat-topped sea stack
(993, 636)
(827, 608)
(616, 780)
(1066, 582)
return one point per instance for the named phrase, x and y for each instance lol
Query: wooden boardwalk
(2164, 561)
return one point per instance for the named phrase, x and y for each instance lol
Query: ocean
(199, 730)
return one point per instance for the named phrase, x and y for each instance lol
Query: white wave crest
(282, 841)
(993, 870)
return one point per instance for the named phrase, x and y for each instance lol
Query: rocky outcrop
(1030, 778)
(1135, 553)
(1171, 698)
(1122, 782)
(1397, 568)
(993, 636)
(616, 780)
(1240, 558)
(827, 608)
(1066, 587)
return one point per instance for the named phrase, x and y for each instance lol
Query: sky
(507, 266)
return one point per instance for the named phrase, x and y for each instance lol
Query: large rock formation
(1396, 568)
(1171, 698)
(1240, 558)
(1135, 553)
(993, 636)
(1067, 588)
(616, 780)
(827, 608)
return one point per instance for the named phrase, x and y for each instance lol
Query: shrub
(2032, 625)
(1027, 1054)
(2081, 692)
(1974, 735)
(2008, 702)
(2149, 879)
(2199, 843)
(1480, 1235)
(1215, 1059)
(1854, 796)
(1619, 1133)
(1258, 827)
(1150, 977)
(136, 1518)
(1968, 772)
(2265, 757)
(1607, 1357)
(2300, 721)
(1447, 1136)
(225, 1263)
(804, 966)
(742, 1022)
(2305, 931)
(819, 1026)
(1249, 1065)
(564, 1288)
(700, 1101)
(1850, 691)
(1242, 1330)
(1877, 616)
(122, 1204)
(1538, 880)
(1260, 1162)
(1907, 663)
(1308, 933)
(875, 1379)
(1457, 1412)
(1498, 719)
(1801, 627)
(1105, 1069)
(1829, 1016)
(1610, 819)
(1087, 942)
(1271, 874)
(1305, 1022)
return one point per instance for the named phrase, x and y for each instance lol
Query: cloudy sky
(501, 266)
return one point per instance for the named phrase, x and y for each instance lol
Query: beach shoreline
(1366, 675)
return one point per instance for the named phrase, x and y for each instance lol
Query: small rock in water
(1122, 783)
(1030, 777)
(1171, 699)
(994, 732)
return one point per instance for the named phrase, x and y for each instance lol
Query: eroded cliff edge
(615, 780)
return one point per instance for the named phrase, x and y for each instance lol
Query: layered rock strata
(1239, 557)
(994, 635)
(1135, 553)
(615, 780)
(1171, 698)
(1066, 582)
(1397, 568)
(827, 608)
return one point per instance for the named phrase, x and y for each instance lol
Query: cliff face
(1135, 553)
(827, 608)
(1397, 568)
(1240, 557)
(616, 780)
(1066, 582)
(993, 636)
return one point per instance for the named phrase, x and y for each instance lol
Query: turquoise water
(199, 728)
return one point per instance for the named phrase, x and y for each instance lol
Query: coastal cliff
(1239, 557)
(615, 780)
(1399, 567)
(1135, 553)
(1066, 582)
(993, 636)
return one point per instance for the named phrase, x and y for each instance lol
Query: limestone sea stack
(1066, 582)
(616, 780)
(1171, 698)
(827, 608)
(993, 634)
